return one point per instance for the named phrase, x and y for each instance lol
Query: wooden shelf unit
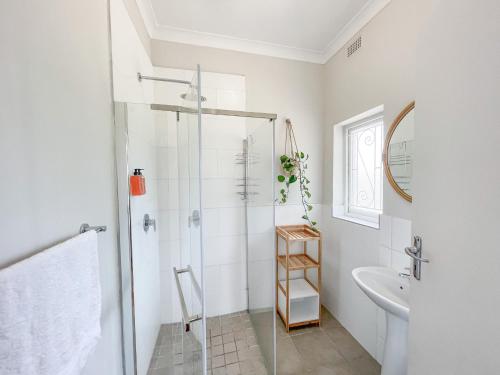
(298, 300)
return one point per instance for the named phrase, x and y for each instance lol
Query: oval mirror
(398, 152)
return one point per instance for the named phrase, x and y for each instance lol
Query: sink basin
(386, 288)
(391, 292)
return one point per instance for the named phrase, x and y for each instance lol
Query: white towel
(50, 307)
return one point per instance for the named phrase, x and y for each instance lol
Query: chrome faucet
(404, 274)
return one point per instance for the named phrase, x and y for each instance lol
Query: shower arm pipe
(140, 77)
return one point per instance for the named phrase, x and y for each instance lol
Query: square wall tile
(223, 81)
(261, 246)
(227, 163)
(168, 225)
(231, 99)
(400, 261)
(385, 231)
(220, 192)
(167, 163)
(260, 219)
(173, 194)
(225, 289)
(211, 95)
(169, 255)
(211, 222)
(260, 284)
(163, 194)
(209, 166)
(401, 234)
(384, 256)
(224, 249)
(231, 221)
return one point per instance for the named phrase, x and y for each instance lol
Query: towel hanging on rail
(50, 307)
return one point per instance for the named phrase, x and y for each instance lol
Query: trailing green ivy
(294, 167)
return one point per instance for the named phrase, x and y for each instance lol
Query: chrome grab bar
(185, 315)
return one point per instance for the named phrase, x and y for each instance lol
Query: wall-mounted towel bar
(85, 228)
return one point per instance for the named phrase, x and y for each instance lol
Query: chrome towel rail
(85, 228)
(188, 319)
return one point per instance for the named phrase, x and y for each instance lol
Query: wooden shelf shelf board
(298, 262)
(297, 233)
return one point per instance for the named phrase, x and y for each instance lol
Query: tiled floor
(325, 350)
(232, 349)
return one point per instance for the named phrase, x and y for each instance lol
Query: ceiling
(296, 29)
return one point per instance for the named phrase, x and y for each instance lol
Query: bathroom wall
(381, 72)
(130, 57)
(289, 88)
(56, 143)
(139, 25)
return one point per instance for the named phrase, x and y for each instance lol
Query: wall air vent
(354, 46)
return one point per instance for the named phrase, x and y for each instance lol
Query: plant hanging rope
(294, 165)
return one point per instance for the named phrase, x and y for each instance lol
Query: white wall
(56, 143)
(381, 72)
(129, 57)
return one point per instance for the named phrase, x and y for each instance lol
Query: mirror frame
(388, 137)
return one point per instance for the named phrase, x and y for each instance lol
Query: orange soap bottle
(137, 183)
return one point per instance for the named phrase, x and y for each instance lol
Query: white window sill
(339, 213)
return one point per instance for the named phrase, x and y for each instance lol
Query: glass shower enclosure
(198, 278)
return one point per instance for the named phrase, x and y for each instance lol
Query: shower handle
(148, 222)
(194, 219)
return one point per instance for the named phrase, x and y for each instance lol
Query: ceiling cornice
(178, 35)
(204, 39)
(370, 10)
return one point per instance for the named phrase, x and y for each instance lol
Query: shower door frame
(224, 112)
(124, 221)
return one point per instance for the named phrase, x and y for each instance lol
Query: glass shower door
(260, 236)
(190, 275)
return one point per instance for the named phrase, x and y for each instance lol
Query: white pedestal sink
(389, 291)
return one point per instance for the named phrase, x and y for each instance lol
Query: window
(358, 169)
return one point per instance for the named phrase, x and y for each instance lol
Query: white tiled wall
(224, 231)
(394, 235)
(260, 217)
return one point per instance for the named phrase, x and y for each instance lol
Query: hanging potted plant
(293, 170)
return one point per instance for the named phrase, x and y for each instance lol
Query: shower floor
(232, 349)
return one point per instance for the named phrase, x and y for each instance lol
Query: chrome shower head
(192, 97)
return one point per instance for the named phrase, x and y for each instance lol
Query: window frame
(364, 216)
